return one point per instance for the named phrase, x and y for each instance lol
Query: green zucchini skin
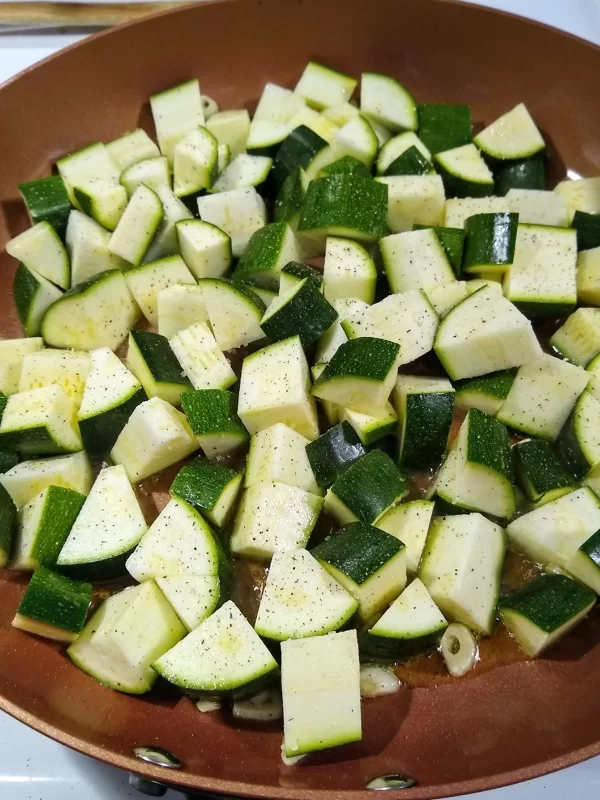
(306, 314)
(346, 164)
(443, 126)
(47, 200)
(490, 240)
(452, 240)
(426, 425)
(410, 162)
(297, 150)
(540, 470)
(8, 523)
(549, 601)
(56, 600)
(527, 174)
(359, 563)
(99, 433)
(588, 230)
(290, 197)
(333, 452)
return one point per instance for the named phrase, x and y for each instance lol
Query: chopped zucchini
(487, 393)
(41, 250)
(414, 199)
(281, 454)
(12, 353)
(465, 172)
(349, 271)
(415, 260)
(213, 419)
(424, 407)
(410, 523)
(332, 453)
(230, 128)
(27, 479)
(33, 296)
(542, 396)
(274, 517)
(540, 471)
(490, 243)
(321, 86)
(239, 213)
(47, 200)
(302, 311)
(461, 567)
(176, 112)
(300, 598)
(53, 606)
(87, 245)
(536, 207)
(443, 126)
(212, 489)
(155, 437)
(178, 307)
(65, 368)
(512, 136)
(201, 358)
(578, 339)
(108, 527)
(154, 364)
(40, 422)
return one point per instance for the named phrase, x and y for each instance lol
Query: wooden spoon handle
(78, 14)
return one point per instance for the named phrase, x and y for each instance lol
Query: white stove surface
(33, 767)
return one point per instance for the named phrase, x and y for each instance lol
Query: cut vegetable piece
(442, 126)
(146, 281)
(193, 597)
(443, 298)
(33, 295)
(487, 393)
(319, 674)
(360, 375)
(223, 654)
(26, 480)
(280, 454)
(537, 207)
(413, 625)
(176, 112)
(275, 387)
(213, 419)
(44, 525)
(154, 364)
(540, 471)
(205, 248)
(156, 436)
(195, 162)
(513, 135)
(477, 473)
(99, 312)
(65, 368)
(387, 102)
(87, 244)
(243, 171)
(321, 86)
(131, 148)
(349, 271)
(555, 533)
(294, 272)
(371, 427)
(406, 319)
(8, 523)
(40, 422)
(367, 489)
(542, 279)
(490, 243)
(165, 242)
(392, 150)
(53, 606)
(290, 198)
(151, 173)
(333, 452)
(458, 210)
(368, 562)
(302, 310)
(415, 260)
(424, 407)
(210, 488)
(12, 353)
(578, 339)
(108, 527)
(230, 128)
(580, 195)
(91, 178)
(461, 567)
(301, 599)
(297, 150)
(268, 251)
(47, 200)
(344, 205)
(588, 277)
(179, 542)
(178, 307)
(544, 611)
(111, 394)
(465, 172)
(414, 199)
(409, 522)
(528, 175)
(239, 213)
(578, 443)
(125, 635)
(41, 250)
(271, 122)
(542, 396)
(588, 229)
(234, 312)
(484, 333)
(201, 359)
(274, 517)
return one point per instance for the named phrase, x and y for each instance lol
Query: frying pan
(510, 719)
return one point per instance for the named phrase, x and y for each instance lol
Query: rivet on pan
(383, 783)
(157, 756)
(143, 785)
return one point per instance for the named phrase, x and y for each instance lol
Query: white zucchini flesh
(155, 437)
(201, 358)
(87, 244)
(239, 213)
(12, 353)
(300, 599)
(278, 453)
(65, 368)
(109, 524)
(176, 112)
(221, 655)
(41, 249)
(29, 478)
(180, 306)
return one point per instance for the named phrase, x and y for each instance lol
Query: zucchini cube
(212, 489)
(213, 418)
(40, 422)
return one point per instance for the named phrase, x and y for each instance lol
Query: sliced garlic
(459, 649)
